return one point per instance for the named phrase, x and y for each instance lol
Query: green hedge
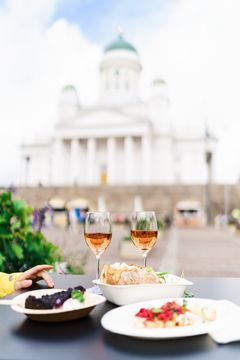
(20, 246)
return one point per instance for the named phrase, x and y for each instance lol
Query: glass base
(95, 290)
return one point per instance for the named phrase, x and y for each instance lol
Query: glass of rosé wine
(98, 234)
(144, 231)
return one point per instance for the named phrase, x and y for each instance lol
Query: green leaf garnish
(188, 294)
(78, 295)
(156, 310)
(149, 269)
(161, 274)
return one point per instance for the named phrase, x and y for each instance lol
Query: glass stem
(98, 267)
(144, 260)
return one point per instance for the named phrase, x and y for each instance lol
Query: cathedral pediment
(102, 117)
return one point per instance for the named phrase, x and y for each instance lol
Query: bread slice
(123, 274)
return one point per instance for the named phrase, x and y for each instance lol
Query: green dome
(120, 44)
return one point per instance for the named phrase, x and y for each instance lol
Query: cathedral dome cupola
(120, 71)
(120, 44)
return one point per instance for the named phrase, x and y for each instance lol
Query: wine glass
(98, 234)
(144, 231)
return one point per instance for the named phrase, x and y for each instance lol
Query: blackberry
(50, 301)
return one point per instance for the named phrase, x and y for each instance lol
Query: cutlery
(8, 302)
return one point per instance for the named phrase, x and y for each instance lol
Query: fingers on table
(37, 272)
(22, 284)
(36, 269)
(47, 278)
(25, 283)
(34, 272)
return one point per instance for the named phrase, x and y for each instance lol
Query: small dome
(68, 105)
(69, 96)
(69, 87)
(159, 89)
(158, 81)
(120, 44)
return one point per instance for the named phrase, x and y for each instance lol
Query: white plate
(122, 321)
(77, 310)
(130, 294)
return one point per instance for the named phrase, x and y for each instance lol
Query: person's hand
(34, 274)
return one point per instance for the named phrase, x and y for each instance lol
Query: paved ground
(205, 252)
(208, 252)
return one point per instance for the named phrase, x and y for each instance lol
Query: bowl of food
(54, 305)
(124, 284)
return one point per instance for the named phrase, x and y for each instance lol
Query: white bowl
(129, 294)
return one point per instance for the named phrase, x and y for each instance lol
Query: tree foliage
(20, 246)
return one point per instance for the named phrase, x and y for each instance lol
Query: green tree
(20, 246)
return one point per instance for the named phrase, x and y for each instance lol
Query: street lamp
(209, 142)
(27, 159)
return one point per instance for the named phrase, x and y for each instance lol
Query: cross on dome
(120, 30)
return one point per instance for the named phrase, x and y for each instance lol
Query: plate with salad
(165, 318)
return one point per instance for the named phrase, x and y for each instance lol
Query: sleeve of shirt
(7, 283)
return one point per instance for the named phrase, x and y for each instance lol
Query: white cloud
(197, 51)
(73, 59)
(36, 62)
(195, 48)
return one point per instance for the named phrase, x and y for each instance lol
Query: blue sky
(98, 19)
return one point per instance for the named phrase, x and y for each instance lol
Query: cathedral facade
(122, 140)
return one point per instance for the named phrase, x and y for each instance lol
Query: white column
(91, 154)
(111, 150)
(129, 161)
(58, 162)
(146, 160)
(75, 153)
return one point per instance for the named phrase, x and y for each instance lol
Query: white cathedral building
(122, 140)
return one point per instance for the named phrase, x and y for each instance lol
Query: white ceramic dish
(129, 294)
(75, 311)
(122, 321)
